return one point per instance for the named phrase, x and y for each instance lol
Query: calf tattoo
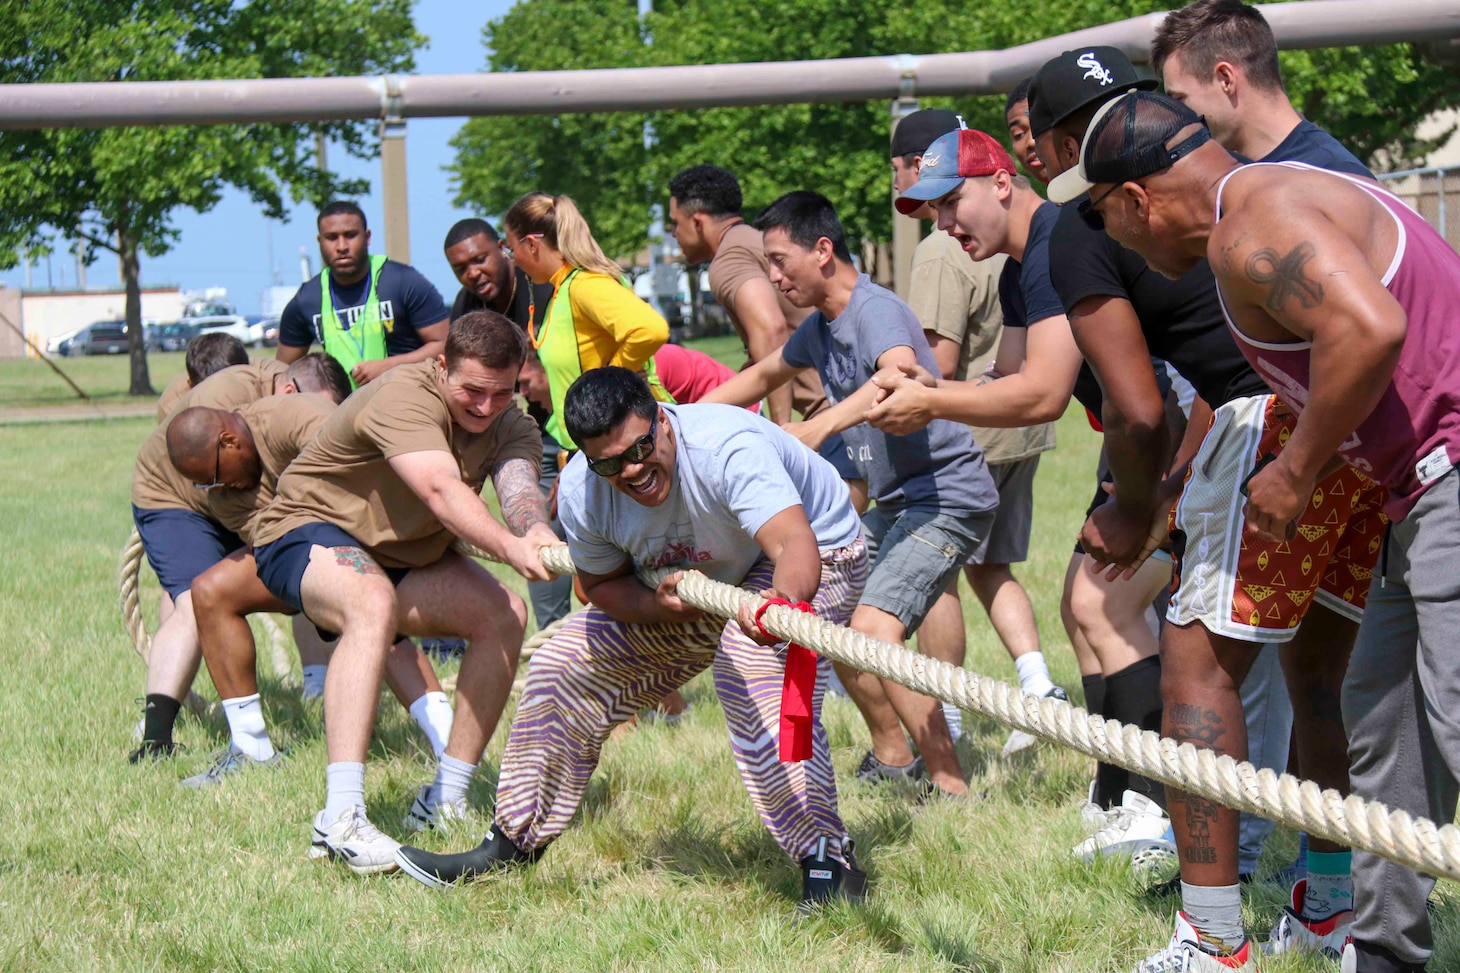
(522, 503)
(1285, 276)
(1202, 727)
(353, 557)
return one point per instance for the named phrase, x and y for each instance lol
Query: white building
(47, 314)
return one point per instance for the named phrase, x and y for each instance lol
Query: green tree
(118, 188)
(1372, 98)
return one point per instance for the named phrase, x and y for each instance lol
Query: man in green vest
(370, 313)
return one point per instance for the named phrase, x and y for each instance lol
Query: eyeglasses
(508, 250)
(641, 449)
(217, 470)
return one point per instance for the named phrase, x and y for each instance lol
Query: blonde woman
(594, 318)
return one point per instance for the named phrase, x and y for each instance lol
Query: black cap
(921, 129)
(1128, 140)
(1076, 79)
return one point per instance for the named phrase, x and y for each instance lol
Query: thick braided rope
(127, 574)
(1370, 826)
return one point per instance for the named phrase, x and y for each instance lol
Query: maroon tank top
(1412, 437)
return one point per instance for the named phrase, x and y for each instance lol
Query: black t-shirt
(408, 301)
(1181, 319)
(1027, 296)
(529, 306)
(1311, 144)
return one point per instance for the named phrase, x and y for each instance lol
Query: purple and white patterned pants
(597, 672)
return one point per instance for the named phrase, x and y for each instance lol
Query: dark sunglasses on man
(640, 450)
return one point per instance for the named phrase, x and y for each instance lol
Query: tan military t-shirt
(170, 396)
(740, 258)
(282, 425)
(156, 483)
(343, 476)
(958, 298)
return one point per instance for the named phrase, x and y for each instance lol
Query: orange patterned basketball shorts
(1242, 587)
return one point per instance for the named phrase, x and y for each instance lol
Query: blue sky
(229, 245)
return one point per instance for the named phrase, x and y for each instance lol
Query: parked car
(237, 325)
(266, 327)
(100, 338)
(168, 337)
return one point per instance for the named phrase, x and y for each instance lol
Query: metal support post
(905, 232)
(394, 191)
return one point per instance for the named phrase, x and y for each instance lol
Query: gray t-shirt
(937, 466)
(733, 472)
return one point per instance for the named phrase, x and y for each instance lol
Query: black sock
(1094, 687)
(160, 716)
(1110, 780)
(1134, 698)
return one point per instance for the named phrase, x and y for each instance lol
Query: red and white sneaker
(1321, 937)
(1185, 954)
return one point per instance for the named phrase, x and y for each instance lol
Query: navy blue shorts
(182, 544)
(281, 564)
(834, 451)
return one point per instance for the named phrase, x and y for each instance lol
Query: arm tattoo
(354, 557)
(518, 495)
(1285, 276)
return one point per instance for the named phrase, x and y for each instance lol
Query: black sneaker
(873, 771)
(823, 878)
(444, 871)
(152, 750)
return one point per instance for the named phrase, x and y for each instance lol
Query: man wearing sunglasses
(1234, 593)
(182, 538)
(258, 441)
(1272, 464)
(729, 494)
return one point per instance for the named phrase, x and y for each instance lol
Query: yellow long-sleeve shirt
(615, 327)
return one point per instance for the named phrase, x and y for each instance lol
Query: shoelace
(360, 828)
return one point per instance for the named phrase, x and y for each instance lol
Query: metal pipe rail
(1306, 24)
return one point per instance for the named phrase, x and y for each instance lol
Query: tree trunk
(136, 343)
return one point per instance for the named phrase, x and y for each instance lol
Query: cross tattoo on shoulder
(1285, 276)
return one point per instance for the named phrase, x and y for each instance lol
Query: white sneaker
(1350, 961)
(1138, 830)
(1185, 955)
(1092, 815)
(427, 812)
(352, 839)
(1295, 934)
(1020, 741)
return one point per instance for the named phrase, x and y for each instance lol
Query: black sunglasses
(1088, 212)
(640, 450)
(217, 469)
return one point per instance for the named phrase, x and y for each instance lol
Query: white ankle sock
(954, 716)
(1033, 673)
(246, 724)
(433, 713)
(344, 787)
(314, 682)
(452, 778)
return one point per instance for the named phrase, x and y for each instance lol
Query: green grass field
(105, 866)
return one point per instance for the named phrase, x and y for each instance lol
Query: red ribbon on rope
(797, 690)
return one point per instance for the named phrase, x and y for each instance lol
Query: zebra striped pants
(597, 672)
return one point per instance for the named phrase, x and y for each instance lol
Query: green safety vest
(365, 339)
(557, 349)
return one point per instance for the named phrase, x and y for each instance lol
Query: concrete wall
(11, 344)
(47, 314)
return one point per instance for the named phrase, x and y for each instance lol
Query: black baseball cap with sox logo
(1077, 79)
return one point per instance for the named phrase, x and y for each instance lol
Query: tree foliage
(1372, 98)
(117, 189)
